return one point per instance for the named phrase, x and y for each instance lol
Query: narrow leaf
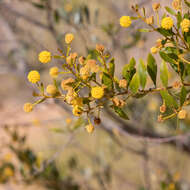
(142, 73)
(183, 95)
(144, 30)
(152, 68)
(171, 11)
(166, 58)
(112, 67)
(120, 112)
(38, 5)
(135, 83)
(179, 19)
(164, 73)
(107, 81)
(165, 32)
(169, 100)
(129, 70)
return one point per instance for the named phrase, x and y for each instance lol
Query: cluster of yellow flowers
(176, 4)
(95, 76)
(82, 69)
(54, 72)
(45, 57)
(166, 23)
(34, 76)
(125, 21)
(185, 24)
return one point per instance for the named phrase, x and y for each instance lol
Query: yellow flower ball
(51, 89)
(171, 186)
(84, 72)
(163, 108)
(77, 102)
(123, 83)
(125, 21)
(34, 76)
(28, 107)
(167, 23)
(77, 111)
(44, 56)
(176, 4)
(154, 50)
(81, 60)
(156, 6)
(53, 72)
(69, 38)
(8, 172)
(182, 114)
(89, 128)
(97, 92)
(185, 24)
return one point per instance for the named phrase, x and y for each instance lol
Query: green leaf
(57, 57)
(144, 30)
(107, 81)
(152, 68)
(183, 95)
(120, 112)
(135, 83)
(169, 100)
(166, 58)
(164, 73)
(38, 5)
(165, 32)
(111, 67)
(56, 16)
(129, 70)
(134, 18)
(170, 50)
(179, 19)
(171, 11)
(142, 73)
(57, 130)
(144, 11)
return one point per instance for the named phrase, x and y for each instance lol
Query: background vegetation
(49, 147)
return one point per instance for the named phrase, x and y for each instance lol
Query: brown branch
(5, 7)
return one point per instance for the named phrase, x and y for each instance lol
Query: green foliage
(164, 73)
(107, 81)
(111, 67)
(183, 95)
(135, 83)
(129, 70)
(142, 73)
(120, 112)
(169, 100)
(170, 10)
(167, 58)
(165, 32)
(152, 68)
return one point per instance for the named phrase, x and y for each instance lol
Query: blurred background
(49, 148)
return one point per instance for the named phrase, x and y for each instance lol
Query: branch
(5, 7)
